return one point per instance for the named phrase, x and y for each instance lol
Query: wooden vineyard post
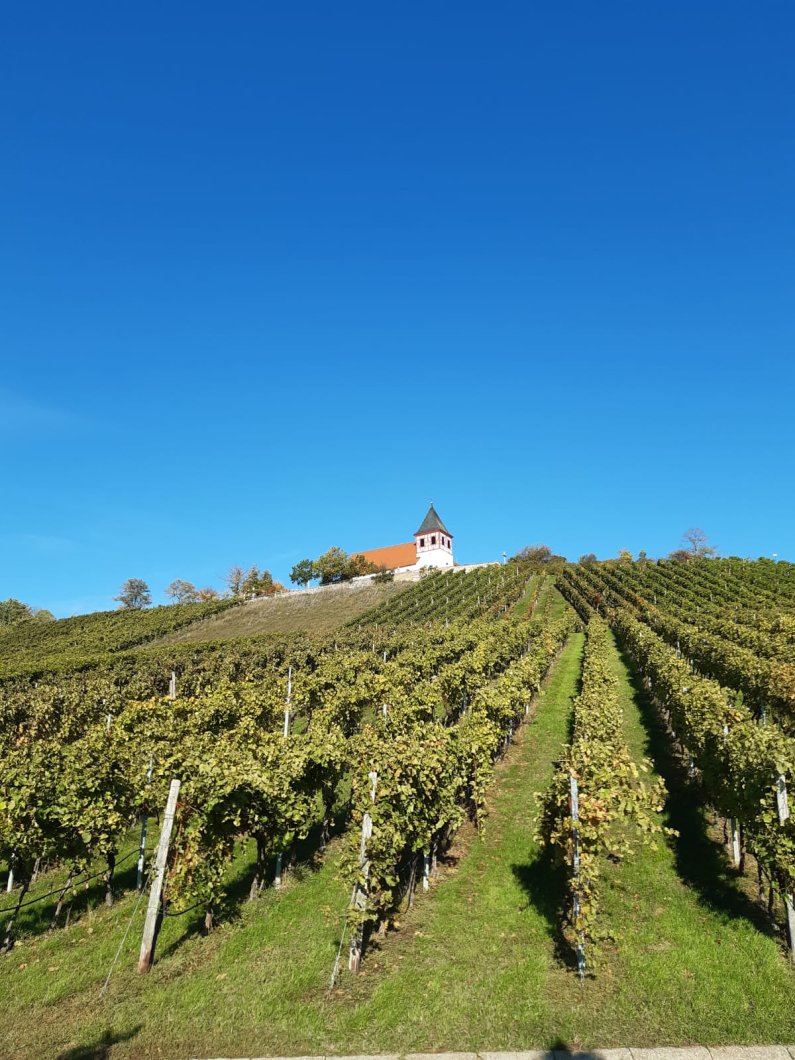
(735, 838)
(359, 896)
(142, 843)
(153, 909)
(172, 685)
(782, 804)
(575, 816)
(277, 875)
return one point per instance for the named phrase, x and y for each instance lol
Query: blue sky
(273, 276)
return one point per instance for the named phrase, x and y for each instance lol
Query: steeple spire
(432, 522)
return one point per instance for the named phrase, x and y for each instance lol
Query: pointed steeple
(432, 522)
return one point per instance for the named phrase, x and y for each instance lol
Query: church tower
(434, 542)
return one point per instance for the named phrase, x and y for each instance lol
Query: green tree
(182, 592)
(337, 566)
(134, 595)
(303, 573)
(13, 611)
(332, 566)
(259, 583)
(234, 580)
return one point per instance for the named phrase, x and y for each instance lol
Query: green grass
(478, 963)
(522, 607)
(319, 612)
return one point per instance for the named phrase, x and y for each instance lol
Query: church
(432, 547)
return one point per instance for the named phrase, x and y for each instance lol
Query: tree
(332, 566)
(203, 596)
(337, 566)
(303, 573)
(256, 583)
(134, 595)
(680, 555)
(182, 592)
(234, 580)
(540, 556)
(358, 565)
(624, 555)
(535, 554)
(259, 583)
(13, 611)
(588, 559)
(698, 542)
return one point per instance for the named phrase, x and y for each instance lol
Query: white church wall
(434, 557)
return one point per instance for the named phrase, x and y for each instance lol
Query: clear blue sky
(272, 276)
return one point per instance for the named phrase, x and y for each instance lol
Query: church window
(422, 542)
(433, 539)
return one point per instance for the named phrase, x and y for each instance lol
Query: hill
(308, 612)
(33, 647)
(469, 735)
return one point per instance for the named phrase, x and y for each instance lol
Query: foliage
(77, 747)
(303, 573)
(91, 640)
(14, 611)
(336, 565)
(182, 592)
(134, 594)
(259, 583)
(539, 556)
(611, 791)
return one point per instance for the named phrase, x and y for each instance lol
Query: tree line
(334, 565)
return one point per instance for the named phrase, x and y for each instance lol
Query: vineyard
(498, 758)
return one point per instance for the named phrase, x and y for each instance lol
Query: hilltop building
(432, 547)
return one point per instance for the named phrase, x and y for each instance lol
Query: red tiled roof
(392, 556)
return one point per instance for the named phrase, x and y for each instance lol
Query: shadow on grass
(100, 1049)
(544, 882)
(35, 919)
(307, 858)
(701, 861)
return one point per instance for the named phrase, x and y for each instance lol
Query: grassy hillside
(319, 612)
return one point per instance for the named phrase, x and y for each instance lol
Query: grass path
(475, 965)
